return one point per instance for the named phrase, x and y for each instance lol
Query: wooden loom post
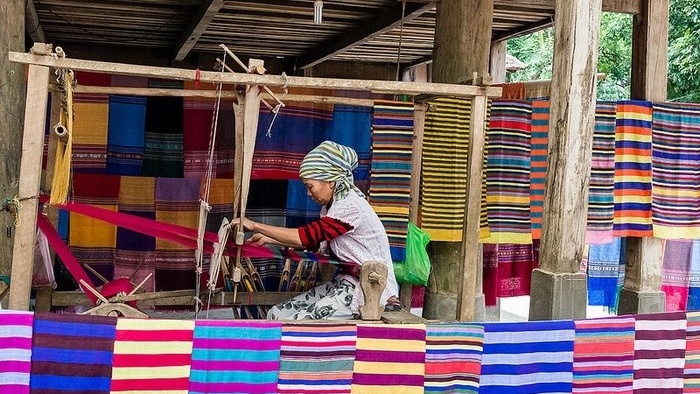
(251, 113)
(29, 182)
(470, 233)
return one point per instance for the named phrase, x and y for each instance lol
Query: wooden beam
(365, 32)
(497, 67)
(523, 30)
(620, 6)
(32, 23)
(200, 21)
(408, 88)
(29, 182)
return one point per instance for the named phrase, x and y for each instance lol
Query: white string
(212, 134)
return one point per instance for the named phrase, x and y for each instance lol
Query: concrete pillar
(641, 292)
(558, 289)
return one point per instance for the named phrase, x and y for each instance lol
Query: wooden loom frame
(35, 117)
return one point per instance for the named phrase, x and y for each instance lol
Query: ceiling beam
(200, 21)
(620, 6)
(525, 29)
(32, 24)
(390, 19)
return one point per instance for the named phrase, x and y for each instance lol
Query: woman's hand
(248, 225)
(259, 239)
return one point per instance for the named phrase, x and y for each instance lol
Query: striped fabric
(392, 145)
(694, 280)
(604, 355)
(633, 139)
(235, 357)
(177, 202)
(163, 138)
(538, 163)
(15, 351)
(508, 172)
(691, 370)
(90, 132)
(351, 126)
(72, 353)
(127, 122)
(527, 357)
(600, 190)
(93, 241)
(453, 357)
(298, 128)
(152, 357)
(675, 273)
(196, 128)
(659, 353)
(389, 358)
(444, 170)
(676, 171)
(317, 358)
(606, 273)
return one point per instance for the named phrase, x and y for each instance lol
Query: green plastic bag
(416, 268)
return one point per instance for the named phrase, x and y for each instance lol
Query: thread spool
(61, 132)
(59, 52)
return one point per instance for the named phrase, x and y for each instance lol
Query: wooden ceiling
(387, 31)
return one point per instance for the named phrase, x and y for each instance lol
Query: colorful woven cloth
(351, 126)
(528, 357)
(633, 139)
(317, 358)
(72, 353)
(606, 272)
(538, 163)
(604, 355)
(235, 357)
(675, 273)
(694, 280)
(507, 269)
(600, 190)
(389, 358)
(15, 351)
(197, 123)
(508, 172)
(177, 202)
(453, 357)
(691, 370)
(659, 353)
(90, 132)
(136, 253)
(389, 193)
(152, 356)
(296, 130)
(444, 170)
(676, 171)
(163, 150)
(93, 241)
(127, 122)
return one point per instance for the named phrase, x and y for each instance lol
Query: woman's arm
(265, 233)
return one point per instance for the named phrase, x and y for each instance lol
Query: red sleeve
(321, 230)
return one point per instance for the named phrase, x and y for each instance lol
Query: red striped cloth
(659, 353)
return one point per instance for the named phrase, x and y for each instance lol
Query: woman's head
(331, 163)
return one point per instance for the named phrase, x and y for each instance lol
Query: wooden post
(251, 113)
(641, 292)
(558, 288)
(469, 256)
(12, 95)
(461, 48)
(29, 181)
(498, 61)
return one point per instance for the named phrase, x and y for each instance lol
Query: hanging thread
(64, 132)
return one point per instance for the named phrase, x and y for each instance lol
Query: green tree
(684, 58)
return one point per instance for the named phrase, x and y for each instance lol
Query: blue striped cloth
(235, 357)
(72, 353)
(125, 138)
(528, 358)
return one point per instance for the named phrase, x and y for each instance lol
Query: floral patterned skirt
(330, 301)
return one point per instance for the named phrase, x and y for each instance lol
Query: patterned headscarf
(331, 162)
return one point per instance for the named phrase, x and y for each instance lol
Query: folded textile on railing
(186, 236)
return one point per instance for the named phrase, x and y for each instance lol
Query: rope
(398, 58)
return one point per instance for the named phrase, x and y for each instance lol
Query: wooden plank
(251, 113)
(200, 21)
(497, 67)
(29, 182)
(524, 29)
(402, 317)
(469, 255)
(178, 297)
(408, 88)
(416, 162)
(621, 6)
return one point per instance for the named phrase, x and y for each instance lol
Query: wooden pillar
(498, 61)
(12, 96)
(461, 48)
(29, 180)
(558, 288)
(641, 292)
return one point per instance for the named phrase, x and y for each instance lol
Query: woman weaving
(348, 228)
